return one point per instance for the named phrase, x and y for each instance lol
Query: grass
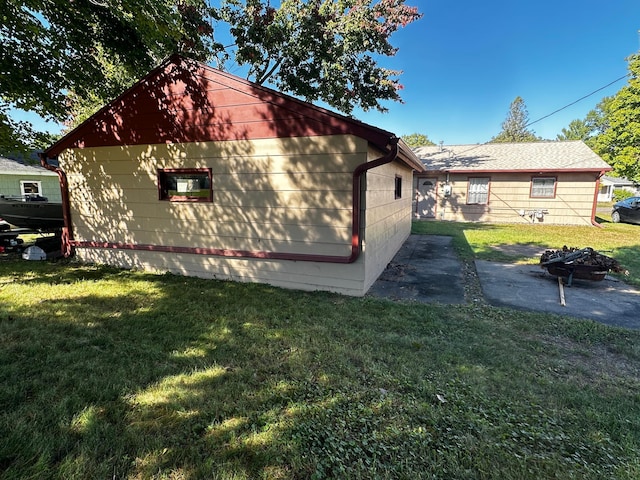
(114, 374)
(486, 241)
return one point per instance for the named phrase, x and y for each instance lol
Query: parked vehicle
(33, 212)
(627, 210)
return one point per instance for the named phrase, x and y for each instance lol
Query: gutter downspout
(360, 170)
(356, 233)
(67, 231)
(595, 201)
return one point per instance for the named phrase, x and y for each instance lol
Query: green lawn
(482, 241)
(114, 374)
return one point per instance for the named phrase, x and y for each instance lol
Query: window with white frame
(478, 191)
(543, 187)
(31, 188)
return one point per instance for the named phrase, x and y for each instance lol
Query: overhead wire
(552, 113)
(578, 100)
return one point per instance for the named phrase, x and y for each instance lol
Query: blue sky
(465, 62)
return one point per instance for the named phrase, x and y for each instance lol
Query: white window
(543, 187)
(478, 192)
(30, 187)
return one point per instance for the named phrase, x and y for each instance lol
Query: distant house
(199, 172)
(550, 182)
(609, 184)
(18, 179)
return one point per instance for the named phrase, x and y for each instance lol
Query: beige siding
(509, 197)
(280, 195)
(387, 219)
(309, 276)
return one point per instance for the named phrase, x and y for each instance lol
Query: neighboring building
(18, 179)
(198, 172)
(609, 184)
(550, 182)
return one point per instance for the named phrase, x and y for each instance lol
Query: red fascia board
(532, 170)
(327, 122)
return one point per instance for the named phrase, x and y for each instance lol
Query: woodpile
(581, 256)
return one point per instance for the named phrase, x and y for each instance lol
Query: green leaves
(321, 50)
(619, 142)
(63, 59)
(612, 129)
(54, 48)
(417, 140)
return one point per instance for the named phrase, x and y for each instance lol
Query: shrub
(621, 194)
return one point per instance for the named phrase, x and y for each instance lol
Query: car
(4, 226)
(627, 210)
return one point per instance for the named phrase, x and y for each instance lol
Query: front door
(426, 197)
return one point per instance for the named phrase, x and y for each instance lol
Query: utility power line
(578, 100)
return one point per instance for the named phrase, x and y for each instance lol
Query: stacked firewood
(582, 256)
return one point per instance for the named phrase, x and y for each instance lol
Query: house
(609, 184)
(198, 172)
(18, 179)
(539, 182)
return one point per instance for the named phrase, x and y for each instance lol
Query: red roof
(186, 101)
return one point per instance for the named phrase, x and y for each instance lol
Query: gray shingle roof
(623, 182)
(510, 157)
(15, 167)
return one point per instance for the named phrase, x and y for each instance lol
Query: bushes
(621, 194)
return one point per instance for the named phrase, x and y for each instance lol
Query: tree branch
(265, 76)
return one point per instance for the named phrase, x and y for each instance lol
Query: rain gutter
(356, 230)
(67, 231)
(594, 208)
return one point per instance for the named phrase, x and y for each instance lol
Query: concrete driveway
(528, 287)
(426, 269)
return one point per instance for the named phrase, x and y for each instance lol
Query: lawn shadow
(171, 374)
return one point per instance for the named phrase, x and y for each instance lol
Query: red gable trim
(530, 170)
(185, 101)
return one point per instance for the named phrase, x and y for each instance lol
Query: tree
(514, 128)
(414, 140)
(68, 57)
(577, 130)
(595, 123)
(51, 48)
(320, 49)
(619, 141)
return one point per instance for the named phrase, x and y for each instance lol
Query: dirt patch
(591, 364)
(396, 271)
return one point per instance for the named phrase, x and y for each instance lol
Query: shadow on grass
(111, 374)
